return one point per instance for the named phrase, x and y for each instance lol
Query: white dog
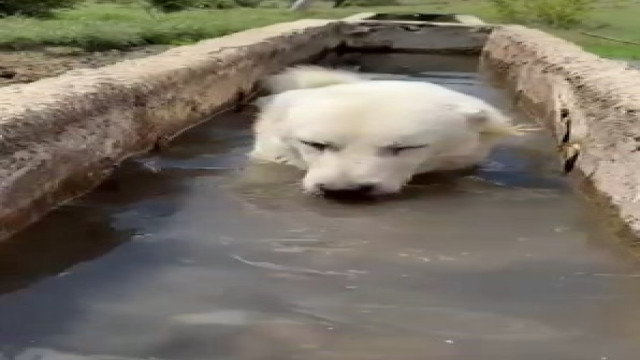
(353, 134)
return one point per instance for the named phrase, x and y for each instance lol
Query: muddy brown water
(193, 254)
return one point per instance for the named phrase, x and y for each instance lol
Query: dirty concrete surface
(590, 102)
(20, 67)
(193, 254)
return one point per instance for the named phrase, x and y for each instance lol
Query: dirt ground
(19, 67)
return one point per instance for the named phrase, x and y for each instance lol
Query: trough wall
(592, 106)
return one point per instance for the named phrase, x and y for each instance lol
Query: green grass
(112, 26)
(617, 22)
(99, 27)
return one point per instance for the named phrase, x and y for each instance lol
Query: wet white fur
(362, 118)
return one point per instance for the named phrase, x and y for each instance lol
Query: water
(189, 254)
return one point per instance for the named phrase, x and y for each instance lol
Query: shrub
(560, 13)
(120, 2)
(365, 3)
(273, 4)
(554, 13)
(36, 8)
(510, 10)
(248, 3)
(179, 5)
(172, 5)
(215, 4)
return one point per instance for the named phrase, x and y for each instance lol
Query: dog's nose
(350, 190)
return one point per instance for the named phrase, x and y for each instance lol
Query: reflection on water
(190, 254)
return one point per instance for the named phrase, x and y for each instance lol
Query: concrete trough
(60, 137)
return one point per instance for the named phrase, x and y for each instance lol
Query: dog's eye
(316, 145)
(397, 149)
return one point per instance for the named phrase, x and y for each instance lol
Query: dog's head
(372, 142)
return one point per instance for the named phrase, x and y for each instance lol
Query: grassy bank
(111, 26)
(620, 22)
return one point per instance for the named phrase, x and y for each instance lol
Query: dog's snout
(347, 190)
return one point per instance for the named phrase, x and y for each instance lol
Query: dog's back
(490, 120)
(307, 77)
